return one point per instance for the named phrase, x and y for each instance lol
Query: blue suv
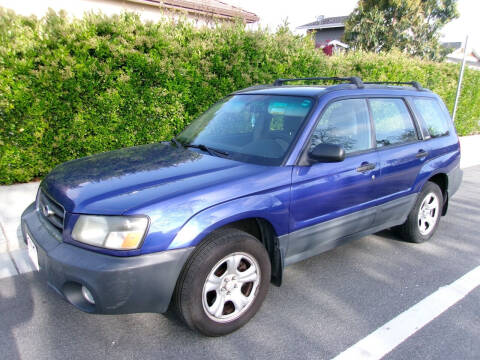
(267, 177)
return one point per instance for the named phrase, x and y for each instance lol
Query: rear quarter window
(432, 115)
(393, 123)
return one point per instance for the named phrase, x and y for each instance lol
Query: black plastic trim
(119, 285)
(316, 239)
(455, 178)
(355, 80)
(414, 84)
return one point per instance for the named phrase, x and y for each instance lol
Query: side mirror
(327, 153)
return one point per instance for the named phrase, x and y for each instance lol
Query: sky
(299, 12)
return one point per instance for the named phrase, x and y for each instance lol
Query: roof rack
(254, 87)
(352, 80)
(415, 84)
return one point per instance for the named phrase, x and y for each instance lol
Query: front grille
(51, 211)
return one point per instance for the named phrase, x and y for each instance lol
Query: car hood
(131, 179)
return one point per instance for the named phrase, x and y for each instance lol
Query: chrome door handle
(366, 167)
(421, 154)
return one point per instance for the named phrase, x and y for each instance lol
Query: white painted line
(7, 269)
(393, 333)
(22, 261)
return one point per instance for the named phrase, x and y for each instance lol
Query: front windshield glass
(258, 129)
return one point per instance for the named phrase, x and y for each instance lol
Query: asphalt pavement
(326, 304)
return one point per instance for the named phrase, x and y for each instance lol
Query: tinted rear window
(434, 118)
(393, 123)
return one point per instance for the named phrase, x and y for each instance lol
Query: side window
(393, 123)
(433, 116)
(346, 123)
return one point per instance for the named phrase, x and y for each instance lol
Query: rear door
(401, 152)
(331, 200)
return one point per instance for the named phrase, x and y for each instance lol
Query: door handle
(366, 167)
(421, 154)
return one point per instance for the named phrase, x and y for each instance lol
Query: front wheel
(422, 222)
(224, 283)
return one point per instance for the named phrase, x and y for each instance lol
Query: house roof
(204, 7)
(457, 55)
(325, 23)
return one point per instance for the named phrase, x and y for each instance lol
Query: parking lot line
(393, 333)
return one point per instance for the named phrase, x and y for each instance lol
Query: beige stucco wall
(77, 8)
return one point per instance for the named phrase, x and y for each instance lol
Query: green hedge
(70, 88)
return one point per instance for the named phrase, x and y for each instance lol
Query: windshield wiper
(211, 151)
(176, 142)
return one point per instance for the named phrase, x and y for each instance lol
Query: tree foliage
(409, 25)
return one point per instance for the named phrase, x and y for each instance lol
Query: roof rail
(415, 84)
(253, 87)
(352, 80)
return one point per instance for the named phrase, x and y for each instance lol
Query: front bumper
(119, 285)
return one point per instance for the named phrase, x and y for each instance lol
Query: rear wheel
(224, 283)
(422, 222)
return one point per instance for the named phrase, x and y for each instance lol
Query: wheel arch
(259, 227)
(441, 179)
(264, 231)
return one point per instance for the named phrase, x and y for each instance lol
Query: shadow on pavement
(15, 292)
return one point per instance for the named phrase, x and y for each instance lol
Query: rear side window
(434, 118)
(346, 123)
(393, 123)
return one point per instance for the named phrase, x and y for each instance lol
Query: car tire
(423, 219)
(224, 283)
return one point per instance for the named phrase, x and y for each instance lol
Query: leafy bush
(71, 88)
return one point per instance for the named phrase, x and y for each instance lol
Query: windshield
(252, 128)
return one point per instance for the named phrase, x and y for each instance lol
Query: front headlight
(111, 232)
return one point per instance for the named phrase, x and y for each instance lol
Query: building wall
(76, 8)
(472, 65)
(323, 36)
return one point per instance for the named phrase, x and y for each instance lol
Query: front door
(333, 200)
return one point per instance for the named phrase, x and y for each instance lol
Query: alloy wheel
(428, 213)
(230, 287)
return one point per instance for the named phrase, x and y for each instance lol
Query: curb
(470, 149)
(14, 258)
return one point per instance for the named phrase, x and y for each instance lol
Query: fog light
(87, 295)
